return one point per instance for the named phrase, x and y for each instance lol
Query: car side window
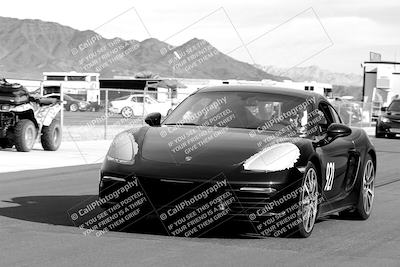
(148, 101)
(325, 117)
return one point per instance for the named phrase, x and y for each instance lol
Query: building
(192, 85)
(324, 89)
(381, 82)
(122, 86)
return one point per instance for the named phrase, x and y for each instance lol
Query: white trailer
(81, 85)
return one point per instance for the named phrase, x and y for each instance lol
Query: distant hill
(30, 47)
(314, 73)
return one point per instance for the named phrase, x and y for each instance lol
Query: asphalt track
(35, 229)
(83, 118)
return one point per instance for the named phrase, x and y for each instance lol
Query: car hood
(395, 115)
(201, 145)
(118, 101)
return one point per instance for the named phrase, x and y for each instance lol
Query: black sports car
(275, 159)
(388, 124)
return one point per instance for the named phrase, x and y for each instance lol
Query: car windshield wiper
(182, 123)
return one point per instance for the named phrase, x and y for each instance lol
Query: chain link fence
(355, 113)
(115, 111)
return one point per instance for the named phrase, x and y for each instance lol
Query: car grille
(162, 193)
(165, 192)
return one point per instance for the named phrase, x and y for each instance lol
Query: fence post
(170, 97)
(62, 107)
(350, 117)
(144, 102)
(106, 115)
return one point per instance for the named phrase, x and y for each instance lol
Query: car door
(150, 105)
(334, 156)
(138, 106)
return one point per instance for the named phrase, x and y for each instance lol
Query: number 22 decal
(330, 175)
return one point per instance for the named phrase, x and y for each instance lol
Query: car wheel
(51, 136)
(363, 208)
(25, 135)
(378, 134)
(308, 202)
(127, 112)
(367, 190)
(73, 107)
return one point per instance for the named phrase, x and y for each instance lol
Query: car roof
(139, 95)
(261, 89)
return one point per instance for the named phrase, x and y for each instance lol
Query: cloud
(360, 30)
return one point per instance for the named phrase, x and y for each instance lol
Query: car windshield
(249, 110)
(395, 106)
(122, 97)
(69, 98)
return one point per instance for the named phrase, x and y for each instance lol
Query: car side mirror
(338, 130)
(383, 108)
(169, 111)
(153, 119)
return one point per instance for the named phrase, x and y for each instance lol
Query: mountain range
(30, 47)
(314, 73)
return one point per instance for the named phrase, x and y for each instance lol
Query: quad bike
(25, 119)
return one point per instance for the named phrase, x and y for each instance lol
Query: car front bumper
(249, 198)
(114, 110)
(392, 127)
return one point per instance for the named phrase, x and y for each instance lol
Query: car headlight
(123, 149)
(277, 157)
(384, 119)
(5, 107)
(82, 104)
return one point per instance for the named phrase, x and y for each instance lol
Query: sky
(334, 35)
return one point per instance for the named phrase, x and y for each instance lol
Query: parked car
(264, 156)
(132, 105)
(71, 104)
(388, 124)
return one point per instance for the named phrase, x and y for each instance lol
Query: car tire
(378, 134)
(51, 136)
(308, 202)
(127, 112)
(73, 107)
(366, 193)
(25, 135)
